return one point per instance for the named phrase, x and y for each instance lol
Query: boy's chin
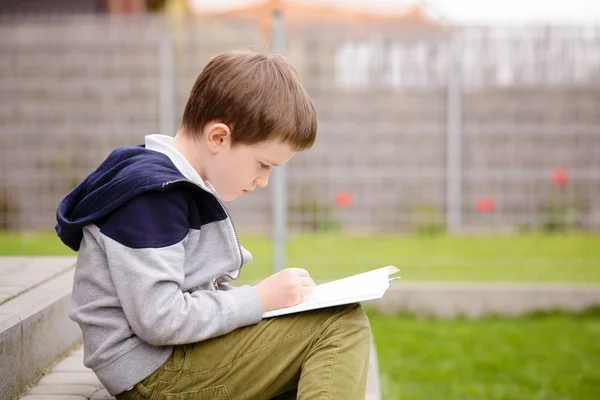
(230, 197)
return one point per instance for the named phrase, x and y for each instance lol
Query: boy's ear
(217, 136)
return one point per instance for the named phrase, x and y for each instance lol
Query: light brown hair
(258, 96)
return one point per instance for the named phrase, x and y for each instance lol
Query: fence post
(166, 94)
(454, 140)
(278, 175)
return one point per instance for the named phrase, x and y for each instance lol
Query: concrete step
(35, 329)
(480, 299)
(69, 377)
(19, 275)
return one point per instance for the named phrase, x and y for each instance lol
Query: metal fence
(420, 129)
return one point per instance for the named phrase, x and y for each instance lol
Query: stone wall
(75, 88)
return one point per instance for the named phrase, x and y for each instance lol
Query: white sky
(469, 11)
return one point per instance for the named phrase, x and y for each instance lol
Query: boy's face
(238, 170)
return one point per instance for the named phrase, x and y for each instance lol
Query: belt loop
(175, 362)
(179, 358)
(143, 390)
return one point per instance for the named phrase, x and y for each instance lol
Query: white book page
(362, 287)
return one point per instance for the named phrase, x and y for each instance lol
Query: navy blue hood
(127, 172)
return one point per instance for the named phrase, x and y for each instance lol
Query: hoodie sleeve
(144, 245)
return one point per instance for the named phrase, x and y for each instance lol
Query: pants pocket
(217, 392)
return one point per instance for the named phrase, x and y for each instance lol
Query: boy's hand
(284, 289)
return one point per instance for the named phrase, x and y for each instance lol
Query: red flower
(560, 177)
(344, 199)
(485, 205)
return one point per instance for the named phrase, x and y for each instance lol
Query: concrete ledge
(34, 330)
(19, 275)
(483, 299)
(373, 383)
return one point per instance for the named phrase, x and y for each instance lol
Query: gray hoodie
(156, 252)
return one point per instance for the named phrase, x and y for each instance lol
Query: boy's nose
(262, 181)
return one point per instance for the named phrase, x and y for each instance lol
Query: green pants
(321, 354)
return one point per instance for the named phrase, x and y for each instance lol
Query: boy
(157, 252)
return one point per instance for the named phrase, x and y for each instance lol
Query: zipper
(237, 238)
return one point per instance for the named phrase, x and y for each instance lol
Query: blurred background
(458, 141)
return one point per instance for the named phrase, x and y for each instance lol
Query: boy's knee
(355, 316)
(356, 311)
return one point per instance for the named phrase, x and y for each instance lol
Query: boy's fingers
(306, 290)
(300, 271)
(307, 282)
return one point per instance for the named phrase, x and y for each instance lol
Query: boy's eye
(263, 166)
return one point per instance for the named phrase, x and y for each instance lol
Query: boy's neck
(192, 150)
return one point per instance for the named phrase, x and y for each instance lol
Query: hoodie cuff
(248, 305)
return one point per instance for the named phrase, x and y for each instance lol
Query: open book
(370, 285)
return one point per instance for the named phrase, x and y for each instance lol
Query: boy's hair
(258, 96)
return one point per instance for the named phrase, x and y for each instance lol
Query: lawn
(526, 258)
(552, 356)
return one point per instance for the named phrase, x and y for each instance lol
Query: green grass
(527, 258)
(574, 258)
(32, 244)
(552, 356)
